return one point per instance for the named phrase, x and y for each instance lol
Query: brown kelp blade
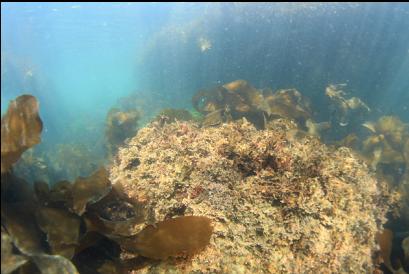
(62, 229)
(61, 193)
(9, 261)
(20, 225)
(384, 239)
(405, 248)
(90, 190)
(173, 237)
(26, 237)
(51, 264)
(21, 129)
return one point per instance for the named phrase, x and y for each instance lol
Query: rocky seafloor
(277, 203)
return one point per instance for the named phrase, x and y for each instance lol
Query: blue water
(82, 56)
(78, 59)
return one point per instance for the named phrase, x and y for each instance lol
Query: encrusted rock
(277, 204)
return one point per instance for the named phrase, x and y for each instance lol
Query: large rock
(277, 204)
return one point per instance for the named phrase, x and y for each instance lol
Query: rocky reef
(243, 184)
(277, 204)
(77, 227)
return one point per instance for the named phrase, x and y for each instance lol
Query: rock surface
(278, 204)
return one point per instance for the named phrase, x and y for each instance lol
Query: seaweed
(173, 237)
(290, 104)
(49, 264)
(20, 224)
(102, 251)
(214, 118)
(405, 247)
(62, 229)
(238, 99)
(174, 114)
(386, 148)
(279, 182)
(21, 128)
(28, 239)
(47, 227)
(61, 194)
(345, 110)
(384, 239)
(120, 125)
(90, 190)
(9, 260)
(205, 101)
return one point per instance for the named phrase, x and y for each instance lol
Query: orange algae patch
(173, 237)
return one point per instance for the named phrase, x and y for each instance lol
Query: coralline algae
(277, 203)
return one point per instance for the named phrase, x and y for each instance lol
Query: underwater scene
(204, 138)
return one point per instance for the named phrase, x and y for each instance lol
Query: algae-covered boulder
(277, 204)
